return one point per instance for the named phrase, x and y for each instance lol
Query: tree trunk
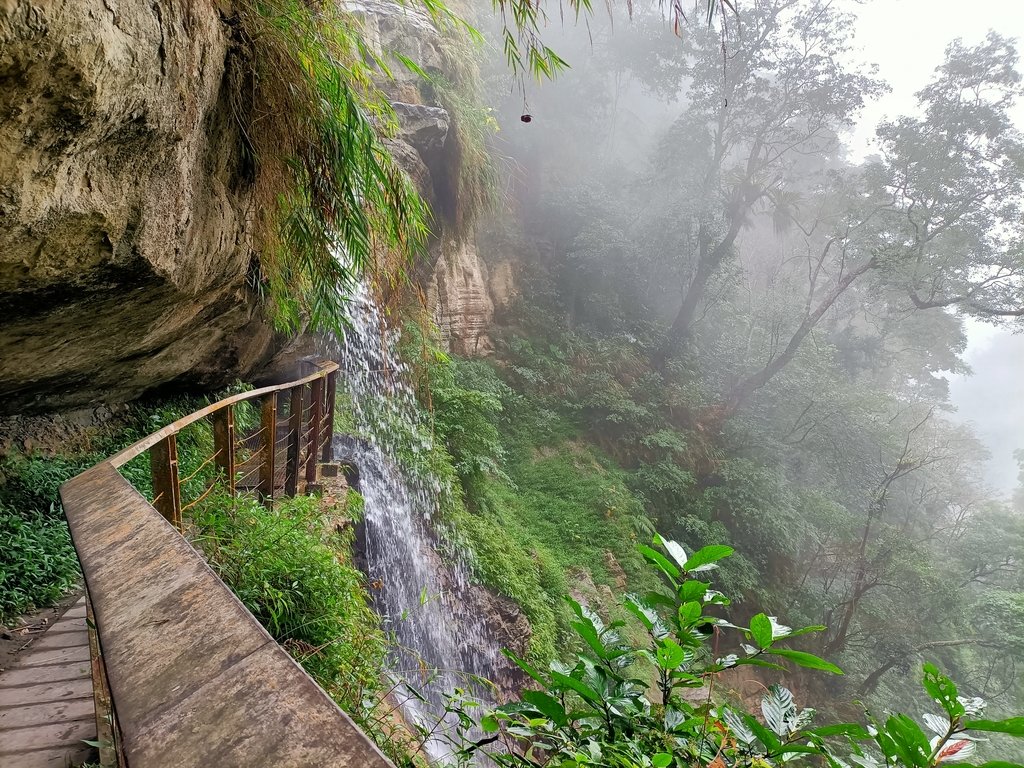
(710, 258)
(871, 681)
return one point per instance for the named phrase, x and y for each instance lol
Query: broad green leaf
(803, 749)
(853, 730)
(759, 663)
(661, 760)
(909, 740)
(525, 666)
(658, 559)
(675, 551)
(943, 690)
(585, 629)
(761, 630)
(1013, 726)
(547, 705)
(710, 554)
(670, 654)
(808, 660)
(689, 613)
(657, 598)
(692, 590)
(565, 682)
(489, 724)
(766, 737)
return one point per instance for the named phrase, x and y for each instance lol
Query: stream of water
(419, 583)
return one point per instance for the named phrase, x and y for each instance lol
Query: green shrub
(596, 712)
(38, 565)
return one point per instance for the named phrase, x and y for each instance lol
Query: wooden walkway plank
(31, 715)
(71, 625)
(46, 702)
(16, 696)
(19, 676)
(52, 736)
(39, 758)
(51, 657)
(58, 640)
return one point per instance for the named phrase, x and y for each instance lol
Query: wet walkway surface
(46, 702)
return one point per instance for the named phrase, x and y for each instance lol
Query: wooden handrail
(121, 458)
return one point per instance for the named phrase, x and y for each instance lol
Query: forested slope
(727, 332)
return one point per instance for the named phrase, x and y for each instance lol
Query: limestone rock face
(124, 204)
(460, 298)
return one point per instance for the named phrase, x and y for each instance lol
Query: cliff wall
(124, 204)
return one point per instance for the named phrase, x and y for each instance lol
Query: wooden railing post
(163, 463)
(328, 427)
(268, 426)
(224, 445)
(316, 389)
(291, 470)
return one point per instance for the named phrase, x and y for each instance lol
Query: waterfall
(418, 580)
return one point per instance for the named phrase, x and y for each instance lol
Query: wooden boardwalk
(46, 701)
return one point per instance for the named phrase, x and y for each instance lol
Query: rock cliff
(124, 204)
(126, 227)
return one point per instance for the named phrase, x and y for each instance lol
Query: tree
(938, 215)
(778, 94)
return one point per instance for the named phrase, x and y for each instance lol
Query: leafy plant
(38, 566)
(330, 195)
(293, 571)
(597, 711)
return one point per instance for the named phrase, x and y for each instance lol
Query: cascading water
(419, 590)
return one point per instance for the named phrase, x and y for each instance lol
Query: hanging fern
(329, 196)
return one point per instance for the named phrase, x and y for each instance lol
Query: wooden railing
(307, 406)
(191, 677)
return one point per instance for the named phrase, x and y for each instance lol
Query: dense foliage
(38, 566)
(597, 711)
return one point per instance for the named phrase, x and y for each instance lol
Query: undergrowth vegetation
(37, 564)
(595, 711)
(536, 513)
(292, 568)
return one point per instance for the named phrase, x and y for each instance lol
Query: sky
(907, 38)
